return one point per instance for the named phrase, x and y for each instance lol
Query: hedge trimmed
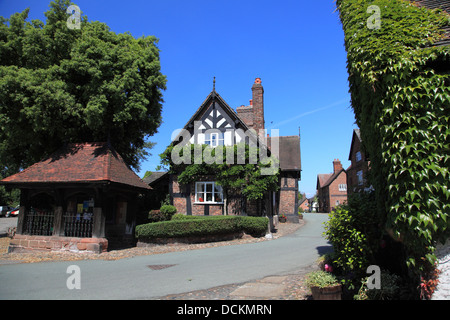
(187, 226)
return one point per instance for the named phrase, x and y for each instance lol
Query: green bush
(354, 233)
(163, 214)
(389, 290)
(255, 226)
(168, 210)
(186, 226)
(155, 216)
(321, 279)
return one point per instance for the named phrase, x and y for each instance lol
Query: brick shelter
(81, 198)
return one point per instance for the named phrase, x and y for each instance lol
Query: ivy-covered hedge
(400, 93)
(188, 226)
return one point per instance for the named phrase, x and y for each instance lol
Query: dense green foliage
(61, 85)
(354, 232)
(165, 213)
(186, 226)
(400, 93)
(246, 178)
(168, 210)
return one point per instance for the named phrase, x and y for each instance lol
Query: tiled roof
(155, 176)
(326, 179)
(289, 152)
(322, 178)
(77, 163)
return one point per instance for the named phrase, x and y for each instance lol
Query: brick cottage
(332, 188)
(215, 123)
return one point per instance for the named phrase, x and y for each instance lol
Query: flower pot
(282, 219)
(327, 293)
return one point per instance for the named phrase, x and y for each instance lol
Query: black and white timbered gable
(216, 124)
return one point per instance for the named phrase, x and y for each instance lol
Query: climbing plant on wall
(400, 94)
(242, 172)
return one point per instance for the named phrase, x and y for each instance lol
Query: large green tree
(60, 85)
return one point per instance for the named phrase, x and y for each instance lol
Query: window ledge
(208, 202)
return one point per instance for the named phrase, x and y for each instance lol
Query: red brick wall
(24, 243)
(363, 165)
(234, 202)
(258, 105)
(288, 195)
(334, 193)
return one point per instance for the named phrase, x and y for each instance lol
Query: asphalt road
(6, 223)
(170, 273)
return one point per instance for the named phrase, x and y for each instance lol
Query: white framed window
(358, 156)
(343, 187)
(208, 192)
(359, 174)
(337, 202)
(214, 139)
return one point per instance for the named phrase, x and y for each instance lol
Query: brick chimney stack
(337, 165)
(258, 105)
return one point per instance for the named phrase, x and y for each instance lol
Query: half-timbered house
(215, 123)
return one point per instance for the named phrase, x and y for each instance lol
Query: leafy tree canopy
(60, 85)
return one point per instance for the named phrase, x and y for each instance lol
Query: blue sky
(296, 47)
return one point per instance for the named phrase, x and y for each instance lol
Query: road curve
(180, 272)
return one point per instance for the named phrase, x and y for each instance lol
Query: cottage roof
(155, 176)
(289, 152)
(79, 163)
(289, 146)
(212, 98)
(326, 179)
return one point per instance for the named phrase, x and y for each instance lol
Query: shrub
(155, 216)
(255, 226)
(320, 279)
(168, 210)
(163, 214)
(186, 226)
(390, 288)
(354, 233)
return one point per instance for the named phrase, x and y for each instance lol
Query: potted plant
(323, 285)
(282, 218)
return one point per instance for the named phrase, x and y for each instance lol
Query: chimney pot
(337, 165)
(251, 102)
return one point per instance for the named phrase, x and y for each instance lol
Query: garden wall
(27, 243)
